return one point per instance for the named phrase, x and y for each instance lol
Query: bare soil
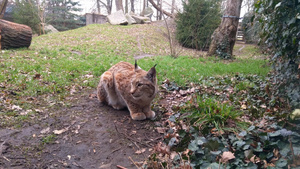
(84, 134)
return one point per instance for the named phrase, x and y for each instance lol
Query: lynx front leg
(136, 112)
(148, 112)
(104, 86)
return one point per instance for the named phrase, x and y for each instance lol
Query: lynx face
(143, 88)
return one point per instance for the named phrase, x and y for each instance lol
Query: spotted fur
(126, 85)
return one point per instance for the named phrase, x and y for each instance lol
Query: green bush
(27, 13)
(197, 22)
(281, 33)
(251, 28)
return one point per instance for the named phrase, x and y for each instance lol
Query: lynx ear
(136, 67)
(151, 75)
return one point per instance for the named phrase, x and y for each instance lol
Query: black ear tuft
(151, 75)
(135, 65)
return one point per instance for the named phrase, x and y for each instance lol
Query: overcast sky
(89, 6)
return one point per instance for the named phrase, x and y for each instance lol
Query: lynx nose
(131, 91)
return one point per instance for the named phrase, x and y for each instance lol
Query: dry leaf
(46, 130)
(226, 156)
(60, 131)
(173, 154)
(73, 90)
(140, 151)
(243, 107)
(161, 130)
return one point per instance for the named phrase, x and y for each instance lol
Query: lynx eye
(139, 84)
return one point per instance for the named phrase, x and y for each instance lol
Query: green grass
(56, 62)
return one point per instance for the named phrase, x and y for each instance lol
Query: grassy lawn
(55, 64)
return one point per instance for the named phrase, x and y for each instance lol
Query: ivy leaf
(246, 147)
(239, 143)
(251, 128)
(193, 146)
(281, 163)
(292, 21)
(215, 166)
(278, 5)
(274, 134)
(172, 141)
(284, 152)
(243, 133)
(296, 150)
(200, 140)
(215, 152)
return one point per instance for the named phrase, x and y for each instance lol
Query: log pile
(13, 35)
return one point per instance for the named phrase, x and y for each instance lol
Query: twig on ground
(133, 162)
(117, 149)
(118, 166)
(1, 147)
(132, 140)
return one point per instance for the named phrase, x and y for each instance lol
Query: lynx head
(143, 85)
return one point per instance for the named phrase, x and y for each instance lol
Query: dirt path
(88, 135)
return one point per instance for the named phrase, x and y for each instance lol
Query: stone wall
(92, 18)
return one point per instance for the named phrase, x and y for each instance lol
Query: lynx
(125, 85)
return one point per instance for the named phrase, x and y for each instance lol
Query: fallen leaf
(37, 76)
(57, 132)
(161, 130)
(140, 151)
(14, 107)
(243, 107)
(173, 154)
(226, 156)
(73, 90)
(46, 130)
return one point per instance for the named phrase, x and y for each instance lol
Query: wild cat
(125, 85)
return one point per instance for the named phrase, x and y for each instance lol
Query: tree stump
(13, 35)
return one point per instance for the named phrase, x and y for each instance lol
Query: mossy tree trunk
(3, 4)
(223, 38)
(13, 35)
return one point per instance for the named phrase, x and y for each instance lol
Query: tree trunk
(223, 38)
(3, 4)
(98, 7)
(132, 5)
(13, 35)
(119, 5)
(126, 6)
(158, 8)
(173, 7)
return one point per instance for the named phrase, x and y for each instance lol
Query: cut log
(13, 35)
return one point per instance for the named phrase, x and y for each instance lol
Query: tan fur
(125, 85)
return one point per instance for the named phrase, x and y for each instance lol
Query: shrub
(250, 28)
(197, 22)
(280, 21)
(27, 13)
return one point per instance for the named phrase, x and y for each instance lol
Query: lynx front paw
(150, 114)
(138, 116)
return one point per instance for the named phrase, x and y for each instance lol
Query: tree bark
(98, 7)
(13, 35)
(3, 4)
(132, 5)
(126, 6)
(158, 8)
(119, 5)
(223, 38)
